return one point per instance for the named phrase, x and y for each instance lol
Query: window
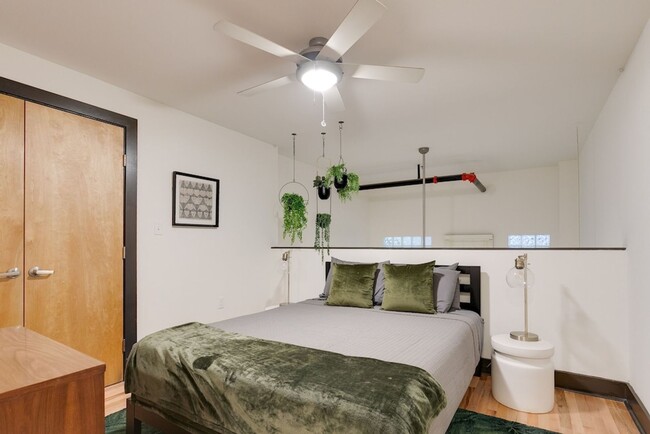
(406, 241)
(539, 241)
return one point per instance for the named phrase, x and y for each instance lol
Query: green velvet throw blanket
(229, 382)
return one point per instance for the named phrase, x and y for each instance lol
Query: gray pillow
(378, 292)
(445, 282)
(456, 304)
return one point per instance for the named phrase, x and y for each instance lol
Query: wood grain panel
(48, 387)
(74, 225)
(12, 127)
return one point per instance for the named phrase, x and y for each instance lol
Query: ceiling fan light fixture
(319, 75)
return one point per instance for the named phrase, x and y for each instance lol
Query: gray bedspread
(448, 346)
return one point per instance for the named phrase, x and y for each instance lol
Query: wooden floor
(573, 412)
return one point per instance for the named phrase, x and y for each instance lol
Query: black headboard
(470, 286)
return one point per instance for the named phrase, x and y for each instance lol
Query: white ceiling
(507, 82)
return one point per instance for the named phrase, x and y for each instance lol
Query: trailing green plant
(336, 172)
(295, 216)
(322, 239)
(346, 193)
(322, 181)
(322, 187)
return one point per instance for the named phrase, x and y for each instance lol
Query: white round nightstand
(522, 374)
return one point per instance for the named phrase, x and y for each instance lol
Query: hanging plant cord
(294, 206)
(323, 221)
(293, 181)
(322, 237)
(341, 142)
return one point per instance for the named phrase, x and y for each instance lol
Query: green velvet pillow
(409, 288)
(352, 285)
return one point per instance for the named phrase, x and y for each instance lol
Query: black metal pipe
(432, 180)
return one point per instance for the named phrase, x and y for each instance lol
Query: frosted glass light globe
(319, 75)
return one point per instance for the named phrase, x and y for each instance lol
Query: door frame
(130, 125)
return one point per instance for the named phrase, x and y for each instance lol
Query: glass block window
(514, 241)
(526, 241)
(407, 241)
(543, 241)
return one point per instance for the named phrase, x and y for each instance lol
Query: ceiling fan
(320, 66)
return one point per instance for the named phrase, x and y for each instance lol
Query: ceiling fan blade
(359, 20)
(333, 99)
(278, 82)
(257, 41)
(403, 74)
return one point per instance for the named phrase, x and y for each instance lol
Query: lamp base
(524, 336)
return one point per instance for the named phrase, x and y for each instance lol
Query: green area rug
(464, 422)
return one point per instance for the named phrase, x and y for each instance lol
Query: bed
(445, 345)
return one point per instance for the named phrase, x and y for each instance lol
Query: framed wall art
(195, 200)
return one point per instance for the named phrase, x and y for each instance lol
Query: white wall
(183, 272)
(531, 201)
(571, 305)
(516, 202)
(614, 205)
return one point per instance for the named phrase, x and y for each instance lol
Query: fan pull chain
(323, 123)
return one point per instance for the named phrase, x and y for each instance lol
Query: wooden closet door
(74, 193)
(12, 203)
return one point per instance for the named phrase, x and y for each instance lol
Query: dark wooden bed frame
(138, 410)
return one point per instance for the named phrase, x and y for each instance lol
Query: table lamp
(517, 277)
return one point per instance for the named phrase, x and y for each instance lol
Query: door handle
(37, 272)
(11, 273)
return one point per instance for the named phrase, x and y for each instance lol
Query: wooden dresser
(46, 387)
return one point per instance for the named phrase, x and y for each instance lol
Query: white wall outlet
(219, 302)
(157, 229)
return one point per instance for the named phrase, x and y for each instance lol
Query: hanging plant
(346, 193)
(295, 216)
(337, 175)
(324, 190)
(322, 239)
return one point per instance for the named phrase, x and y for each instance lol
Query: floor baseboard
(608, 389)
(611, 389)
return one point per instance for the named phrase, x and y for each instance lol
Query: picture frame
(195, 200)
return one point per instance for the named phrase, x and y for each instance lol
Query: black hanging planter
(324, 192)
(343, 183)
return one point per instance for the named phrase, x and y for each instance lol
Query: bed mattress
(448, 346)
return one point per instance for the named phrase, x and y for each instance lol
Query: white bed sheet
(448, 346)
